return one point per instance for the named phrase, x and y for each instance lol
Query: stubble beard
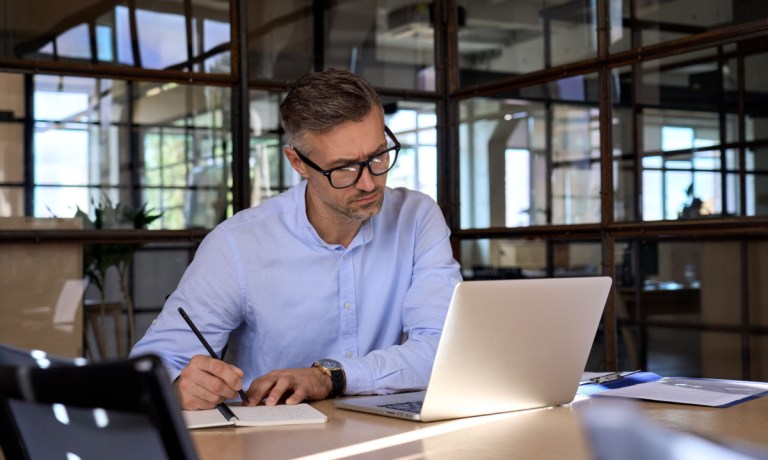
(362, 212)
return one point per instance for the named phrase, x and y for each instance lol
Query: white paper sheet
(701, 392)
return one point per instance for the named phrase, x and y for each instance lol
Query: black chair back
(117, 410)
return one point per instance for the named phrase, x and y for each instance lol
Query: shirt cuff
(359, 376)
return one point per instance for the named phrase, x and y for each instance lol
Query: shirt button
(349, 354)
(344, 257)
(347, 305)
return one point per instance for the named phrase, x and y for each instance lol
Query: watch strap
(338, 380)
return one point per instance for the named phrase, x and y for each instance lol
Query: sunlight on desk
(428, 431)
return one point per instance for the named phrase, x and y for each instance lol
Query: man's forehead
(345, 144)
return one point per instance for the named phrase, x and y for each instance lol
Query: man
(338, 286)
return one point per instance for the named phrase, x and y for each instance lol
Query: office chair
(116, 410)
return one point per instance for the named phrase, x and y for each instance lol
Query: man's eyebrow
(346, 161)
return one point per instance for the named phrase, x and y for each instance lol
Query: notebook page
(277, 415)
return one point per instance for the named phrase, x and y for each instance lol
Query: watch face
(329, 363)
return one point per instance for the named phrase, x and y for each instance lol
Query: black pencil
(213, 354)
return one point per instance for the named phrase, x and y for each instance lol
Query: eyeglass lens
(344, 177)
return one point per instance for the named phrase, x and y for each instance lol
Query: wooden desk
(554, 433)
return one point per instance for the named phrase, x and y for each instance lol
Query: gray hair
(321, 101)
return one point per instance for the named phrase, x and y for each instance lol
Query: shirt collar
(363, 236)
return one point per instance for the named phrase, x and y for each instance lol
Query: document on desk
(255, 416)
(696, 391)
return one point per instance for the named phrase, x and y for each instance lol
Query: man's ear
(295, 161)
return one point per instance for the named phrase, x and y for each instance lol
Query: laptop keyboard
(409, 406)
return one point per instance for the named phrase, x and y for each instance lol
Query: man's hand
(206, 382)
(295, 385)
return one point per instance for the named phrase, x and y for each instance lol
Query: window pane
(413, 124)
(388, 42)
(11, 201)
(501, 39)
(280, 38)
(503, 258)
(507, 258)
(160, 42)
(624, 187)
(577, 258)
(684, 283)
(688, 118)
(11, 144)
(575, 166)
(74, 43)
(186, 151)
(657, 21)
(513, 174)
(155, 27)
(11, 153)
(11, 95)
(270, 171)
(61, 144)
(176, 160)
(756, 124)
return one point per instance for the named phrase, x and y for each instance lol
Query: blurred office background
(561, 138)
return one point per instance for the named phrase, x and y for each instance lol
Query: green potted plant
(99, 258)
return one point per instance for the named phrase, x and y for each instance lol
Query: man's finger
(232, 376)
(260, 388)
(283, 384)
(206, 382)
(298, 396)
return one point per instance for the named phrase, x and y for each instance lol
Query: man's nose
(366, 181)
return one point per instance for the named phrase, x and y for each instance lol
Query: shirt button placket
(347, 313)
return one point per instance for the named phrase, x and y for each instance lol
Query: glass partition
(144, 33)
(502, 39)
(388, 42)
(415, 126)
(280, 38)
(270, 171)
(104, 142)
(413, 123)
(391, 43)
(12, 113)
(683, 114)
(531, 157)
(756, 132)
(517, 258)
(693, 292)
(657, 21)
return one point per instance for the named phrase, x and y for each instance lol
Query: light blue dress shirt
(288, 298)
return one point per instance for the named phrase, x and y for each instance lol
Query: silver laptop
(507, 345)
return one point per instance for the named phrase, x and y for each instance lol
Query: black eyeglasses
(348, 175)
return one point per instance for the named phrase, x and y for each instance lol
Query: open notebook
(506, 345)
(255, 416)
